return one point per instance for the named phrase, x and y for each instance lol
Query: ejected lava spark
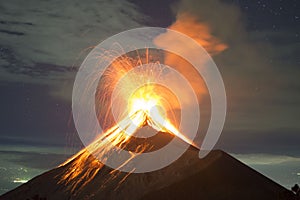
(148, 105)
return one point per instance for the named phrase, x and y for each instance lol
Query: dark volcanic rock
(217, 176)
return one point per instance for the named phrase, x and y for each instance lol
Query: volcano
(217, 176)
(84, 176)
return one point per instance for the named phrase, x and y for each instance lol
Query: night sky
(42, 43)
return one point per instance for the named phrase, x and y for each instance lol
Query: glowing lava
(144, 109)
(149, 105)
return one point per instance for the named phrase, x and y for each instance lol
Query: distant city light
(18, 180)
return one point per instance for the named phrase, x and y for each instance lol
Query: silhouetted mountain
(216, 177)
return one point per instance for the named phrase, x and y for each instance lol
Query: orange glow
(83, 166)
(201, 33)
(148, 105)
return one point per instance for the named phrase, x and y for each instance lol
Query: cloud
(55, 32)
(41, 41)
(200, 32)
(265, 159)
(259, 75)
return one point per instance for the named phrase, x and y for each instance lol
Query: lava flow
(147, 105)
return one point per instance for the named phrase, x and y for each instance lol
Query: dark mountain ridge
(218, 176)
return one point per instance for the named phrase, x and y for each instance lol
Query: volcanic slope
(218, 176)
